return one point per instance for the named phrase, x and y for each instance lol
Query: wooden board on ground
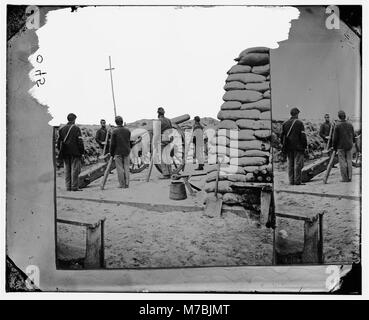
(316, 167)
(92, 174)
(214, 204)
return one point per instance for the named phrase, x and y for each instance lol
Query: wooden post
(265, 202)
(106, 173)
(95, 246)
(310, 253)
(156, 140)
(321, 239)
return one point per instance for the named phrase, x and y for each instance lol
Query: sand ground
(162, 236)
(136, 237)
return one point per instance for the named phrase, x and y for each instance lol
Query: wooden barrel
(177, 191)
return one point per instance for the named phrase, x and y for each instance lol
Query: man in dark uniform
(325, 129)
(343, 141)
(71, 143)
(293, 133)
(120, 149)
(166, 124)
(101, 136)
(198, 137)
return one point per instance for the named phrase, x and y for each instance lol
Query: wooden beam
(324, 195)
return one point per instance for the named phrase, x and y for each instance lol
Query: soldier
(325, 130)
(71, 149)
(120, 149)
(198, 135)
(165, 125)
(343, 141)
(101, 137)
(295, 143)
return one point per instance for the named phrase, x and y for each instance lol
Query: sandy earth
(157, 238)
(341, 219)
(135, 237)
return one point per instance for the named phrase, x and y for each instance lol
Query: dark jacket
(101, 136)
(120, 141)
(344, 136)
(165, 123)
(74, 144)
(197, 125)
(296, 141)
(325, 130)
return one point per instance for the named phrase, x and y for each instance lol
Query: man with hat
(120, 148)
(343, 141)
(325, 130)
(166, 124)
(101, 138)
(295, 143)
(71, 149)
(198, 138)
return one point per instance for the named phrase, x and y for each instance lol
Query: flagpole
(112, 86)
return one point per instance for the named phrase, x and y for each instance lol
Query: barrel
(177, 191)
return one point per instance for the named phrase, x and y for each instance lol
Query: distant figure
(101, 137)
(120, 149)
(293, 133)
(343, 141)
(198, 137)
(166, 124)
(70, 145)
(325, 130)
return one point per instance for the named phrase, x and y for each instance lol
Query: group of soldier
(339, 136)
(118, 144)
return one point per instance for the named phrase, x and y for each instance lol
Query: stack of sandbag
(242, 139)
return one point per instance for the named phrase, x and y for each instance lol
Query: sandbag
(231, 105)
(248, 161)
(253, 145)
(267, 94)
(234, 85)
(245, 77)
(261, 105)
(254, 59)
(223, 186)
(226, 168)
(245, 135)
(250, 169)
(242, 96)
(252, 50)
(256, 153)
(238, 114)
(254, 124)
(258, 86)
(219, 141)
(213, 175)
(240, 177)
(227, 124)
(265, 115)
(262, 134)
(232, 198)
(239, 69)
(223, 150)
(264, 70)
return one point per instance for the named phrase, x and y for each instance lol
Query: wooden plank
(329, 167)
(107, 172)
(310, 253)
(75, 223)
(315, 168)
(265, 203)
(296, 216)
(324, 195)
(251, 185)
(188, 185)
(93, 247)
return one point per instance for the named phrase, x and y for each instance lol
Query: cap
(294, 111)
(71, 117)
(161, 110)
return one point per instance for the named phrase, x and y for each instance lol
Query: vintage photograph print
(189, 136)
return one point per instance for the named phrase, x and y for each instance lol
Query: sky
(176, 58)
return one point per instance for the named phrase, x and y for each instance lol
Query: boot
(200, 167)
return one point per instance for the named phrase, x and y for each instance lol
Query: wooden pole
(112, 87)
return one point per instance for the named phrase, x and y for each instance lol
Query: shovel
(213, 206)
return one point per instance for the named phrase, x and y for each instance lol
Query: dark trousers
(72, 167)
(122, 165)
(345, 161)
(295, 165)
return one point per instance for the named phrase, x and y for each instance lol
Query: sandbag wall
(242, 139)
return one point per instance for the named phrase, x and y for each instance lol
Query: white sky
(163, 56)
